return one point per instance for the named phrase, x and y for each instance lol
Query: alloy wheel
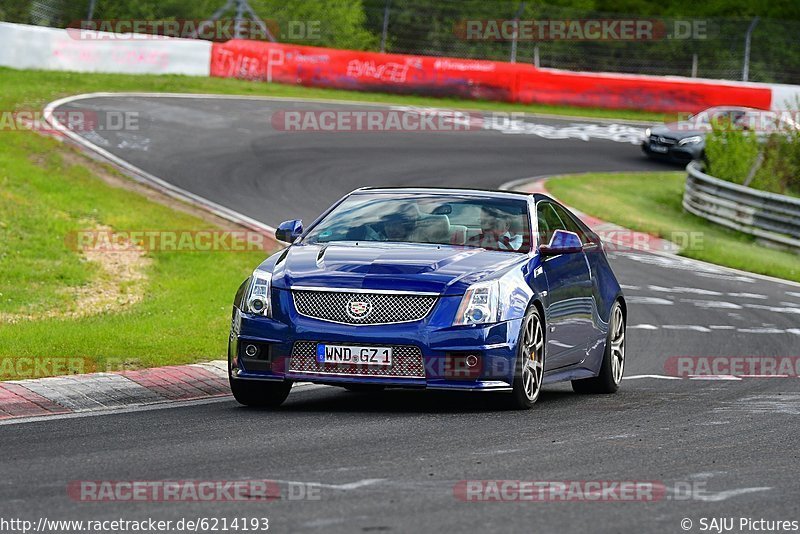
(617, 345)
(533, 356)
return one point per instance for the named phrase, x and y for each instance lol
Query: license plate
(659, 149)
(354, 355)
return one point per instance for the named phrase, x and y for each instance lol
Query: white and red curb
(104, 391)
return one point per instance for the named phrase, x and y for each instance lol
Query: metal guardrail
(772, 218)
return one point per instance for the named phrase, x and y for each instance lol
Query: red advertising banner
(369, 71)
(475, 79)
(650, 93)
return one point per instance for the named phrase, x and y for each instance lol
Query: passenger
(496, 233)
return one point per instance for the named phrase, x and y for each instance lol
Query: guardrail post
(515, 37)
(385, 29)
(747, 38)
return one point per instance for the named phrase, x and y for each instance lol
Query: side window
(571, 225)
(548, 220)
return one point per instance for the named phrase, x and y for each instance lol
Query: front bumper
(442, 348)
(673, 153)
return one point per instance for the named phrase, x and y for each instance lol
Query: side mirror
(288, 231)
(562, 242)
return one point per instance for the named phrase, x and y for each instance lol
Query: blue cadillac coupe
(449, 289)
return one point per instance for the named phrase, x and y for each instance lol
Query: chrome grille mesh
(384, 308)
(407, 362)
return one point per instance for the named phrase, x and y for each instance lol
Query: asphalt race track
(389, 462)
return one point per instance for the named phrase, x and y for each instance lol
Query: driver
(496, 232)
(399, 225)
(396, 226)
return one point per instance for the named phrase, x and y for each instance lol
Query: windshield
(494, 224)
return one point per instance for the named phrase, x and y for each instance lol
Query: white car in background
(684, 140)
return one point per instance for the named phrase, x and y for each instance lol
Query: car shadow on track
(409, 401)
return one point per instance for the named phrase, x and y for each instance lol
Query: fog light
(251, 350)
(462, 366)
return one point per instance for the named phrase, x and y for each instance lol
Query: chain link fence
(713, 48)
(708, 48)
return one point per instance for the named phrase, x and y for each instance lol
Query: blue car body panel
(575, 292)
(382, 266)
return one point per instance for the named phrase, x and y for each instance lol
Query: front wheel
(530, 362)
(260, 393)
(613, 365)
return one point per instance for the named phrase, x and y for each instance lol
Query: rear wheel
(613, 365)
(260, 393)
(530, 362)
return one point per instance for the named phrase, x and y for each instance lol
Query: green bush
(730, 153)
(780, 170)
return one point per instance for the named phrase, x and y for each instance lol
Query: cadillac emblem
(358, 308)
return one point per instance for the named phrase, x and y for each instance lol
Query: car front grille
(661, 140)
(362, 308)
(407, 362)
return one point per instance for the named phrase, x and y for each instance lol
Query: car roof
(729, 108)
(489, 193)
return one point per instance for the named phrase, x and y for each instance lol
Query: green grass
(651, 202)
(30, 90)
(184, 315)
(37, 212)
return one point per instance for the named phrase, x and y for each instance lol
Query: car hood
(679, 130)
(388, 266)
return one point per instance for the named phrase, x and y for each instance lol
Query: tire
(364, 388)
(529, 366)
(613, 366)
(260, 393)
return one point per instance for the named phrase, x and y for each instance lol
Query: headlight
(480, 304)
(647, 132)
(693, 140)
(258, 297)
